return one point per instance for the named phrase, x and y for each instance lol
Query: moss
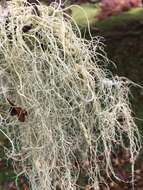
(80, 14)
(121, 19)
(7, 175)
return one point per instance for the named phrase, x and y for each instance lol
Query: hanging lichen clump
(61, 111)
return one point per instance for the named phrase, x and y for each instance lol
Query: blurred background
(119, 25)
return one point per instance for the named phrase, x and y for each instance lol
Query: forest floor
(8, 179)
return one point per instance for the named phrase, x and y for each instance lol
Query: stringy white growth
(76, 113)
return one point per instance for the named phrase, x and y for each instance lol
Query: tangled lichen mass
(75, 111)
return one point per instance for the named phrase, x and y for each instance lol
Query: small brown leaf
(88, 187)
(17, 111)
(25, 187)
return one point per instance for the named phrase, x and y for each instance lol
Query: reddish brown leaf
(17, 111)
(25, 187)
